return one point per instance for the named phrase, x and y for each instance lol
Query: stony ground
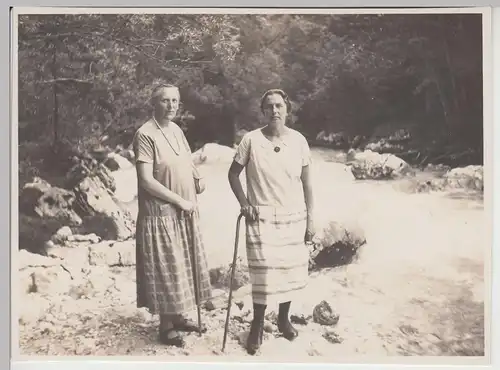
(417, 288)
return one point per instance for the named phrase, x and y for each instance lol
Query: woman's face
(167, 103)
(275, 111)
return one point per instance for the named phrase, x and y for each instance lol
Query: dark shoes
(254, 340)
(188, 326)
(171, 337)
(286, 328)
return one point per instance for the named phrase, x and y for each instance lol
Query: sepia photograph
(252, 184)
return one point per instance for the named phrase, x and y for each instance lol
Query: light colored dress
(164, 239)
(276, 251)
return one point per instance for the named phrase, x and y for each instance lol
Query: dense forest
(84, 80)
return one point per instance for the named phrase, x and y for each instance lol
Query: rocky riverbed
(415, 286)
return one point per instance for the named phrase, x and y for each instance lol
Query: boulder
(98, 281)
(335, 245)
(35, 233)
(40, 199)
(400, 136)
(335, 139)
(76, 239)
(270, 327)
(126, 185)
(357, 142)
(90, 168)
(27, 259)
(105, 176)
(68, 272)
(383, 146)
(213, 153)
(100, 153)
(116, 162)
(461, 178)
(323, 314)
(32, 308)
(470, 177)
(102, 214)
(46, 276)
(371, 165)
(65, 237)
(393, 143)
(300, 319)
(128, 154)
(112, 254)
(332, 337)
(76, 257)
(219, 300)
(241, 299)
(221, 276)
(437, 168)
(62, 235)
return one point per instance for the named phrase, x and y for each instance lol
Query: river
(418, 286)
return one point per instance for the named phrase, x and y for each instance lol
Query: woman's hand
(309, 235)
(186, 206)
(250, 212)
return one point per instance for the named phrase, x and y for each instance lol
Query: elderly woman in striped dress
(278, 209)
(168, 235)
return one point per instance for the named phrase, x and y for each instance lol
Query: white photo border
(491, 90)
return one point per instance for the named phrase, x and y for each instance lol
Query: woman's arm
(155, 188)
(235, 183)
(309, 200)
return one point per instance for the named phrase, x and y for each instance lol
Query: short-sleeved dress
(276, 251)
(164, 239)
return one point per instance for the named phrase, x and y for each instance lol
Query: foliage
(86, 78)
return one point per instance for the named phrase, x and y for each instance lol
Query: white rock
(126, 185)
(61, 235)
(213, 153)
(372, 165)
(27, 259)
(31, 308)
(116, 162)
(89, 238)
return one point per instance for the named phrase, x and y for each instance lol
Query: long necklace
(177, 152)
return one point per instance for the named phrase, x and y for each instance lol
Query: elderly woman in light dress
(278, 209)
(169, 246)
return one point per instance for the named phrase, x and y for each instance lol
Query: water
(398, 225)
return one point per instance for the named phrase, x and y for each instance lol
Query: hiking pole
(233, 268)
(196, 279)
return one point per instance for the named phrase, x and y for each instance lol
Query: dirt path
(417, 288)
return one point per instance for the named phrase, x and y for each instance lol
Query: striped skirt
(277, 255)
(164, 263)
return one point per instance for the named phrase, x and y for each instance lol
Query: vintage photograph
(260, 184)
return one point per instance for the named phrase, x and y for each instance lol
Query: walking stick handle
(233, 266)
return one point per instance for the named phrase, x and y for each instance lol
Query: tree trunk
(55, 117)
(450, 68)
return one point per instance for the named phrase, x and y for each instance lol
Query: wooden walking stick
(233, 267)
(196, 279)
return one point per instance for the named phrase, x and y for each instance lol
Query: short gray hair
(157, 89)
(279, 92)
